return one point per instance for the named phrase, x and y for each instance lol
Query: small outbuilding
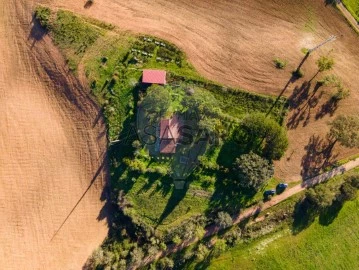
(152, 76)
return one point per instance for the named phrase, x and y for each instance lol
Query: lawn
(353, 7)
(330, 242)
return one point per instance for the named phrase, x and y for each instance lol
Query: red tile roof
(154, 76)
(169, 135)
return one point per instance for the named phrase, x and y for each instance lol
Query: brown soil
(51, 172)
(234, 42)
(52, 141)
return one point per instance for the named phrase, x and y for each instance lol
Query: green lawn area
(323, 245)
(353, 7)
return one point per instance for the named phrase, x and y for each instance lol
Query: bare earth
(51, 151)
(234, 42)
(52, 147)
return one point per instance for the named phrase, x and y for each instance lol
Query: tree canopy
(325, 63)
(156, 103)
(345, 130)
(253, 171)
(262, 135)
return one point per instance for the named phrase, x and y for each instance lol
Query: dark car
(269, 192)
(282, 186)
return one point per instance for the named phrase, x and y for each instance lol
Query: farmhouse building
(154, 76)
(169, 135)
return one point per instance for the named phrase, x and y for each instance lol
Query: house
(169, 135)
(154, 76)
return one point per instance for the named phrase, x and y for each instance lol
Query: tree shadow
(88, 4)
(292, 79)
(327, 108)
(330, 2)
(104, 212)
(228, 195)
(176, 197)
(37, 32)
(303, 216)
(301, 103)
(319, 156)
(328, 215)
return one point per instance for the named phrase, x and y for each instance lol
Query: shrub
(325, 63)
(341, 93)
(345, 129)
(224, 220)
(320, 197)
(165, 264)
(262, 135)
(279, 63)
(219, 247)
(253, 171)
(42, 14)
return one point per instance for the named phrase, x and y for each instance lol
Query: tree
(156, 103)
(262, 135)
(253, 171)
(325, 63)
(320, 197)
(224, 220)
(165, 264)
(136, 256)
(347, 192)
(345, 130)
(219, 247)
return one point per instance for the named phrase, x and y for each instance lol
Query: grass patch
(73, 35)
(332, 247)
(353, 7)
(334, 244)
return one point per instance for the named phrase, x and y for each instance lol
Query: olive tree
(253, 171)
(325, 63)
(345, 130)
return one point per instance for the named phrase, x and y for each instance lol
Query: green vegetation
(325, 63)
(253, 171)
(153, 209)
(262, 135)
(345, 130)
(353, 7)
(42, 14)
(280, 63)
(331, 236)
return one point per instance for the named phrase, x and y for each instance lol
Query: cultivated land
(51, 152)
(234, 42)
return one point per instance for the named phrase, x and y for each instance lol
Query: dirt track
(234, 42)
(51, 151)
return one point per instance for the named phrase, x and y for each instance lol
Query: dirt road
(247, 213)
(52, 152)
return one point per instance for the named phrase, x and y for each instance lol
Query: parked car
(282, 186)
(269, 192)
